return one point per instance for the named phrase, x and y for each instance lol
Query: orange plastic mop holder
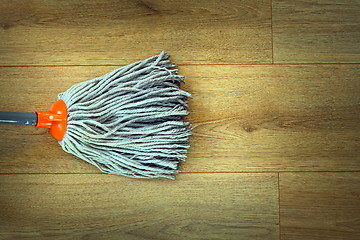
(55, 119)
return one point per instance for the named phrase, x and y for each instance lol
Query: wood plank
(98, 206)
(251, 118)
(275, 118)
(108, 32)
(316, 31)
(320, 206)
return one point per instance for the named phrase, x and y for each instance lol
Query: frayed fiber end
(130, 121)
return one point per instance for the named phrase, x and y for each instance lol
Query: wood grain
(316, 31)
(275, 118)
(111, 32)
(320, 206)
(251, 118)
(268, 100)
(99, 206)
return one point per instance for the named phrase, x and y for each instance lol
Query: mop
(128, 122)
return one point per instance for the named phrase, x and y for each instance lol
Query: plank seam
(279, 204)
(272, 32)
(255, 172)
(187, 64)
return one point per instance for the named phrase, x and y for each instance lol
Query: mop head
(130, 121)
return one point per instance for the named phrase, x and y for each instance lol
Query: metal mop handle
(55, 119)
(18, 118)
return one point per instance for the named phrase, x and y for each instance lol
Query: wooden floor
(276, 85)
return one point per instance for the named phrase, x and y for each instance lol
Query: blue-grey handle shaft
(18, 118)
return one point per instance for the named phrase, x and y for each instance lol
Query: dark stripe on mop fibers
(130, 121)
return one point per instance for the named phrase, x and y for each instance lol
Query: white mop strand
(130, 121)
